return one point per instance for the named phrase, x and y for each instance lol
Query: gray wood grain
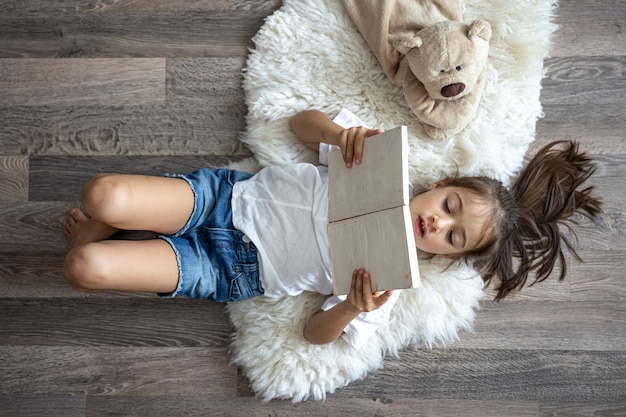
(43, 406)
(142, 322)
(345, 407)
(99, 6)
(210, 129)
(187, 33)
(13, 178)
(590, 31)
(157, 88)
(59, 82)
(134, 371)
(498, 374)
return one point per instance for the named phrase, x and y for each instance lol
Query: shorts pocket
(245, 283)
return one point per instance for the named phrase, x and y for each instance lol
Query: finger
(373, 132)
(360, 144)
(383, 298)
(358, 150)
(366, 286)
(359, 282)
(349, 150)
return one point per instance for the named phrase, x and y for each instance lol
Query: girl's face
(448, 220)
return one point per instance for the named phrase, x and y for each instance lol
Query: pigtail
(547, 195)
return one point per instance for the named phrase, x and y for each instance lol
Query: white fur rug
(308, 55)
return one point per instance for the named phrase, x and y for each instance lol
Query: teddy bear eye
(442, 71)
(458, 68)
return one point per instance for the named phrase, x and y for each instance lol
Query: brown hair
(524, 235)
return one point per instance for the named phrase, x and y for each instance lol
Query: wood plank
(599, 128)
(43, 406)
(13, 178)
(211, 129)
(116, 34)
(580, 409)
(78, 82)
(34, 274)
(126, 371)
(96, 321)
(586, 31)
(498, 374)
(60, 178)
(576, 80)
(581, 325)
(344, 407)
(203, 80)
(97, 6)
(600, 278)
(33, 226)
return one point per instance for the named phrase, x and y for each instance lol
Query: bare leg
(123, 265)
(116, 202)
(138, 202)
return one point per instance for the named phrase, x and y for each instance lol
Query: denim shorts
(215, 260)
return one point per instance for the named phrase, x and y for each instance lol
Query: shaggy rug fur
(308, 55)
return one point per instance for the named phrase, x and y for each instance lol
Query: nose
(439, 223)
(452, 90)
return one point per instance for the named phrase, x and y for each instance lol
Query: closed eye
(446, 206)
(450, 238)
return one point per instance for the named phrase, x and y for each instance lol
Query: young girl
(228, 235)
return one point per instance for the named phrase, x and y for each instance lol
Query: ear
(441, 183)
(480, 28)
(405, 43)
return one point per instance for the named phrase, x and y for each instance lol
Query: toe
(78, 216)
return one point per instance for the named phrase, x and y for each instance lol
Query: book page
(382, 243)
(369, 219)
(378, 183)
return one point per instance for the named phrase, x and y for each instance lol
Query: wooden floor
(153, 86)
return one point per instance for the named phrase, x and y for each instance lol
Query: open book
(369, 219)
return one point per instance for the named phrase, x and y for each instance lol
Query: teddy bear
(424, 47)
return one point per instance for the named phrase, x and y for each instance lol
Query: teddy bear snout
(452, 90)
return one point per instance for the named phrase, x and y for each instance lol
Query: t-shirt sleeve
(365, 324)
(323, 152)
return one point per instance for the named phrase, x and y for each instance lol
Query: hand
(361, 297)
(351, 142)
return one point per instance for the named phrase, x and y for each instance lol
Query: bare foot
(80, 229)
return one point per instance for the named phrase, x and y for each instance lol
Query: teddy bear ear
(480, 28)
(405, 43)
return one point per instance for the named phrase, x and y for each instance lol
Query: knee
(84, 269)
(104, 197)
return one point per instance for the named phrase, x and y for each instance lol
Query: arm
(327, 326)
(313, 127)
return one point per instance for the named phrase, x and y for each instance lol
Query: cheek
(429, 244)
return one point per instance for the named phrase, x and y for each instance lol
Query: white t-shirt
(284, 211)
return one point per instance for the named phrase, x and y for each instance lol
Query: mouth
(418, 227)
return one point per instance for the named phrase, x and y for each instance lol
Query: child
(228, 235)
